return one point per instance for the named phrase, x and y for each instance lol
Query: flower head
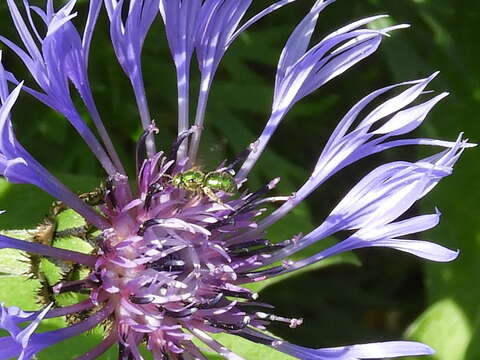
(172, 255)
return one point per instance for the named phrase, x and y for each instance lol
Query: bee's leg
(200, 193)
(211, 195)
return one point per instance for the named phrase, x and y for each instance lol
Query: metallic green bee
(205, 184)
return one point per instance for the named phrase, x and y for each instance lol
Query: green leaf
(245, 348)
(12, 261)
(27, 205)
(69, 219)
(23, 296)
(76, 346)
(445, 327)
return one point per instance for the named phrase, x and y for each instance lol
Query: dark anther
(268, 272)
(140, 151)
(123, 337)
(141, 300)
(255, 338)
(251, 307)
(239, 294)
(147, 285)
(249, 205)
(180, 314)
(176, 145)
(73, 286)
(257, 242)
(254, 247)
(211, 302)
(167, 264)
(165, 356)
(152, 190)
(146, 225)
(257, 194)
(262, 250)
(96, 279)
(109, 193)
(227, 326)
(228, 220)
(124, 353)
(239, 159)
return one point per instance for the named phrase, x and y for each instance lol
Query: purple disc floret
(175, 247)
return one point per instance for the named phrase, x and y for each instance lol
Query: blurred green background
(392, 295)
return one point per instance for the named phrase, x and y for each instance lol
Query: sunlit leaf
(445, 327)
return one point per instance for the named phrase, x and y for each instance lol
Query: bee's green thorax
(189, 180)
(205, 184)
(220, 182)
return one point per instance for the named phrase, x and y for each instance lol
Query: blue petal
(380, 350)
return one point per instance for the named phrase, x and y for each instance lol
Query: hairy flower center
(168, 262)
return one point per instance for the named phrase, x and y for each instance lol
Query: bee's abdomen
(220, 182)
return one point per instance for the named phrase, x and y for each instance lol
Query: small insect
(45, 231)
(94, 197)
(205, 184)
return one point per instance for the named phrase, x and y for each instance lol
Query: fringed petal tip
(18, 343)
(10, 316)
(464, 142)
(386, 31)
